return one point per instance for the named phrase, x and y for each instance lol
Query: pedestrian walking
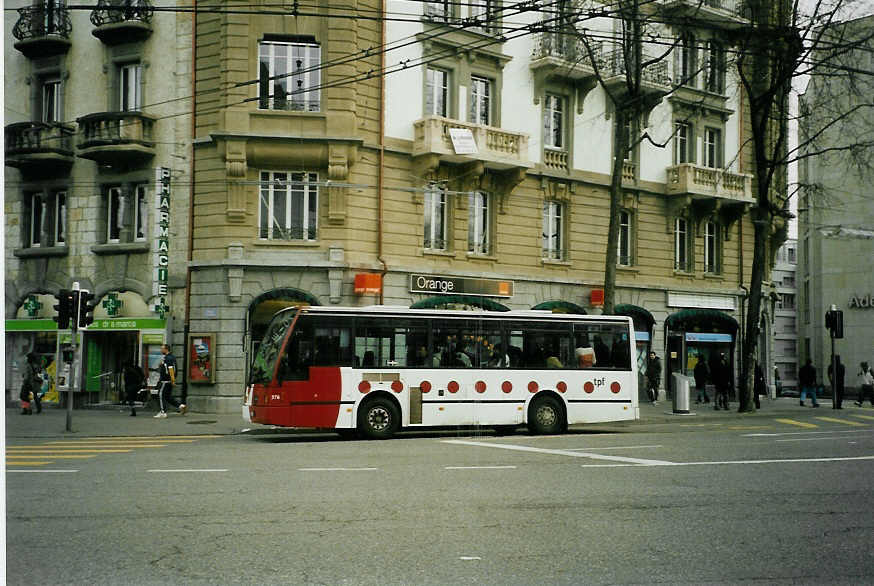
(653, 377)
(758, 386)
(701, 374)
(807, 380)
(166, 380)
(836, 377)
(721, 375)
(31, 385)
(866, 384)
(133, 382)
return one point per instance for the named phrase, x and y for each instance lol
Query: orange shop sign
(368, 284)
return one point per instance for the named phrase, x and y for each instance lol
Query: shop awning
(263, 307)
(439, 301)
(643, 319)
(704, 320)
(559, 306)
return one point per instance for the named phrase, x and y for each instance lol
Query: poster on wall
(201, 358)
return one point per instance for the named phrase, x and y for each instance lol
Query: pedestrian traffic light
(834, 321)
(65, 308)
(86, 308)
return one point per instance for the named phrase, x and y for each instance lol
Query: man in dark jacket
(701, 373)
(807, 380)
(653, 377)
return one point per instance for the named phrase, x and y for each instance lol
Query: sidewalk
(114, 420)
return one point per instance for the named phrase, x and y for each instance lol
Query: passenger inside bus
(369, 360)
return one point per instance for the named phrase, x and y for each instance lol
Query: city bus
(376, 370)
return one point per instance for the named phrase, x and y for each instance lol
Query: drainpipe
(187, 326)
(381, 171)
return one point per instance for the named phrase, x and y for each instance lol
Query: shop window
(436, 92)
(288, 206)
(436, 218)
(480, 100)
(554, 246)
(479, 240)
(289, 76)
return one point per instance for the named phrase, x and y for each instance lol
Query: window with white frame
(484, 13)
(553, 122)
(60, 218)
(289, 204)
(713, 147)
(715, 67)
(790, 255)
(687, 61)
(130, 79)
(480, 100)
(289, 76)
(114, 214)
(553, 230)
(440, 10)
(624, 238)
(786, 301)
(141, 212)
(684, 142)
(711, 247)
(681, 245)
(479, 239)
(436, 216)
(37, 219)
(436, 92)
(52, 103)
(45, 219)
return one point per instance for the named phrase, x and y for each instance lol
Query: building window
(436, 92)
(130, 87)
(289, 76)
(553, 230)
(435, 218)
(114, 214)
(51, 105)
(715, 68)
(805, 302)
(60, 218)
(484, 13)
(553, 122)
(625, 238)
(687, 61)
(711, 247)
(440, 10)
(479, 223)
(141, 212)
(790, 255)
(45, 219)
(480, 100)
(37, 219)
(789, 281)
(289, 205)
(681, 245)
(786, 301)
(713, 148)
(683, 143)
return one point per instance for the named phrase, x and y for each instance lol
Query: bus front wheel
(545, 417)
(379, 419)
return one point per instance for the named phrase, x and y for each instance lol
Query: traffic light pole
(74, 378)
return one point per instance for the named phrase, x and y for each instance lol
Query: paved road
(782, 498)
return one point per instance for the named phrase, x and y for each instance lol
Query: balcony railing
(497, 148)
(119, 21)
(730, 13)
(116, 137)
(707, 182)
(44, 145)
(655, 73)
(43, 31)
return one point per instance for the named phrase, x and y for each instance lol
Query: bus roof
(400, 310)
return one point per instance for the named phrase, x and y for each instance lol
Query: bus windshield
(264, 362)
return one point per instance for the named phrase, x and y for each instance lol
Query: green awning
(643, 319)
(263, 307)
(701, 320)
(441, 300)
(559, 306)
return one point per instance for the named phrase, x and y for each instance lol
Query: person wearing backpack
(866, 384)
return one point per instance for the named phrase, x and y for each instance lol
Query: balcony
(122, 21)
(655, 81)
(40, 147)
(116, 138)
(704, 182)
(564, 56)
(721, 13)
(43, 31)
(496, 148)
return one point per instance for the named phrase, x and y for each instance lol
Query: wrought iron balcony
(122, 21)
(654, 78)
(705, 182)
(722, 13)
(566, 55)
(43, 147)
(43, 30)
(116, 138)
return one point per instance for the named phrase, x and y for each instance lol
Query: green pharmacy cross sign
(32, 306)
(112, 304)
(161, 308)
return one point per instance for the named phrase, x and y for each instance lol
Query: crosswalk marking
(37, 449)
(50, 456)
(86, 448)
(842, 421)
(798, 423)
(860, 416)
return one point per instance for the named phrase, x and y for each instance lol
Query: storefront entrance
(698, 334)
(105, 354)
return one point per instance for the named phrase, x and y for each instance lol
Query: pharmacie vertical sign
(160, 286)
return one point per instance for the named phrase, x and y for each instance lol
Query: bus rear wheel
(545, 417)
(379, 419)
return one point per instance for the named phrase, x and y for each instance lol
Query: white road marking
(470, 558)
(336, 469)
(479, 467)
(569, 453)
(613, 448)
(189, 470)
(811, 439)
(787, 461)
(806, 432)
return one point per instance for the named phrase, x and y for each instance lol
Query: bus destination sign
(444, 285)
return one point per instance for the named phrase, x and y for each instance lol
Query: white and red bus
(379, 369)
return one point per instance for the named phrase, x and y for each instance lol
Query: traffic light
(834, 321)
(65, 308)
(86, 308)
